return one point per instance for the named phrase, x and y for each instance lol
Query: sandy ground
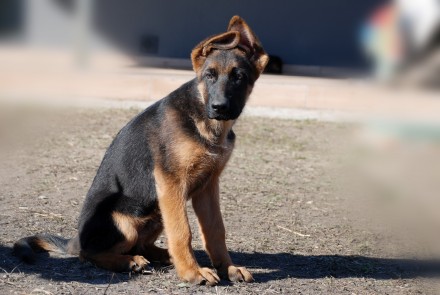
(285, 217)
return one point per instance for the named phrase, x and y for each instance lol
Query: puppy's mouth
(218, 117)
(213, 115)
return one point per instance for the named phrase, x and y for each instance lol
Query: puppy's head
(227, 66)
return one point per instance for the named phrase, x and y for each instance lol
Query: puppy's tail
(26, 248)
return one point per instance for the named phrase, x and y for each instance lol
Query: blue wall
(303, 32)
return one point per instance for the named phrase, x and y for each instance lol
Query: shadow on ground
(274, 266)
(285, 265)
(65, 269)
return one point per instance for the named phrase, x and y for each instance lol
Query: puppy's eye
(211, 75)
(238, 77)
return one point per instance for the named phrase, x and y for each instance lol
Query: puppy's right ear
(223, 41)
(249, 42)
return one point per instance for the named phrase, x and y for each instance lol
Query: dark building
(318, 33)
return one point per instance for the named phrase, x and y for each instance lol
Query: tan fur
(202, 90)
(129, 227)
(188, 156)
(193, 158)
(206, 205)
(172, 205)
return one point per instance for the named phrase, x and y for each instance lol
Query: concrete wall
(47, 23)
(302, 32)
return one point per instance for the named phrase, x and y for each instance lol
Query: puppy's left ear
(249, 42)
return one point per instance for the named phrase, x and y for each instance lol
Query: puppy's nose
(220, 106)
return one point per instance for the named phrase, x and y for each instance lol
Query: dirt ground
(284, 216)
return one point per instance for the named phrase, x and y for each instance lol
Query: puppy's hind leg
(110, 244)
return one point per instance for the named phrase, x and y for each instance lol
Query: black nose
(220, 106)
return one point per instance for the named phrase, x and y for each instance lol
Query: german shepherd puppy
(172, 152)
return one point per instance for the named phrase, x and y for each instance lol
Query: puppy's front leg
(207, 208)
(172, 206)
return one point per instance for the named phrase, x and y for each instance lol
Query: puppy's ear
(223, 41)
(249, 42)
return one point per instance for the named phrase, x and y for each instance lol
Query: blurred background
(392, 40)
(301, 33)
(64, 49)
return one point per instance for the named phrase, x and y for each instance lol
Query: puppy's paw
(236, 274)
(201, 276)
(139, 264)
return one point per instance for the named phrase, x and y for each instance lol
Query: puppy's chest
(204, 166)
(206, 160)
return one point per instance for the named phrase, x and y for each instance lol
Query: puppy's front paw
(236, 274)
(201, 275)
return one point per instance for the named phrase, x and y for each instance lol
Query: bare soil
(284, 216)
